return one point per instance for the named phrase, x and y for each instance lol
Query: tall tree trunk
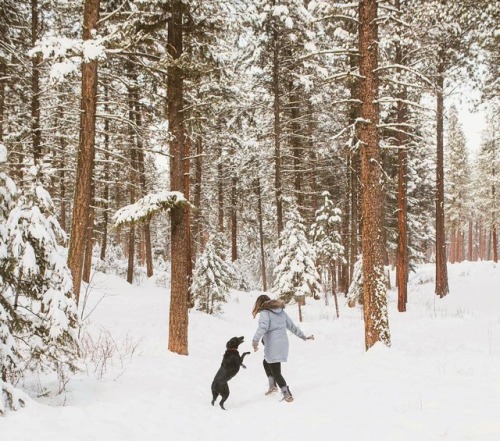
(297, 149)
(402, 263)
(132, 138)
(277, 129)
(374, 289)
(36, 134)
(178, 322)
(494, 221)
(453, 245)
(261, 236)
(89, 240)
(345, 275)
(469, 241)
(197, 195)
(441, 268)
(220, 191)
(234, 229)
(141, 168)
(86, 151)
(3, 83)
(105, 215)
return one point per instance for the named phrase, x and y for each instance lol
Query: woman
(273, 323)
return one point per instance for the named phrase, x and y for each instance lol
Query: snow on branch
(145, 207)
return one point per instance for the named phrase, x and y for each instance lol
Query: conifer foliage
(38, 316)
(295, 273)
(212, 277)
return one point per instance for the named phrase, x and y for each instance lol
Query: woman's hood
(273, 304)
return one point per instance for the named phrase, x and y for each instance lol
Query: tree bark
(374, 290)
(178, 322)
(104, 243)
(261, 236)
(3, 83)
(197, 195)
(402, 263)
(469, 242)
(141, 169)
(36, 134)
(234, 228)
(441, 268)
(277, 129)
(86, 152)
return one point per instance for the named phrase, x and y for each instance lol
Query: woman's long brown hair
(258, 304)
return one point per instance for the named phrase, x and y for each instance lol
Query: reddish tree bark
(178, 322)
(374, 291)
(86, 152)
(441, 264)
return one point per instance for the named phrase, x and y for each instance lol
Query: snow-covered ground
(439, 381)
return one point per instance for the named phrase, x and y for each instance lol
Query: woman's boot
(272, 386)
(287, 395)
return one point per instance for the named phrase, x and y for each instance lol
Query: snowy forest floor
(440, 380)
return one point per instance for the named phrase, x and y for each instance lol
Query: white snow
(440, 380)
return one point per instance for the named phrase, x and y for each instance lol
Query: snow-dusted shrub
(212, 277)
(295, 272)
(38, 316)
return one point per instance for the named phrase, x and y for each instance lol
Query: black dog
(229, 367)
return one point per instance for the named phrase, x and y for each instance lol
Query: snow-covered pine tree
(212, 277)
(295, 274)
(38, 315)
(327, 242)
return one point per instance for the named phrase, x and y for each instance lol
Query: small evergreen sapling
(38, 315)
(212, 277)
(327, 241)
(295, 272)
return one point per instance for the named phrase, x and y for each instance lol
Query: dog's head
(234, 342)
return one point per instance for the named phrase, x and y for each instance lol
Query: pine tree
(212, 277)
(38, 316)
(327, 242)
(296, 276)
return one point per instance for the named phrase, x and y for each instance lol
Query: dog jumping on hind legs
(229, 367)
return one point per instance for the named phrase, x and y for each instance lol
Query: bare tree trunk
(261, 237)
(402, 263)
(89, 241)
(105, 207)
(36, 134)
(179, 297)
(374, 290)
(345, 275)
(197, 194)
(441, 268)
(141, 168)
(3, 77)
(453, 245)
(132, 138)
(494, 222)
(234, 230)
(297, 149)
(354, 213)
(277, 130)
(469, 242)
(85, 162)
(494, 243)
(220, 191)
(334, 291)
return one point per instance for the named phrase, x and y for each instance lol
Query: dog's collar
(231, 349)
